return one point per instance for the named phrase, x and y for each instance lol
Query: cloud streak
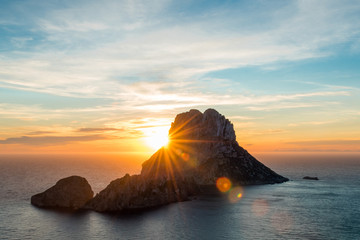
(178, 52)
(52, 140)
(338, 142)
(100, 130)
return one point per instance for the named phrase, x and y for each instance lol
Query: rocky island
(71, 192)
(202, 149)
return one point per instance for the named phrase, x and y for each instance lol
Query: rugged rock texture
(71, 192)
(203, 148)
(134, 192)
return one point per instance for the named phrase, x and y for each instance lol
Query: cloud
(327, 86)
(72, 26)
(152, 41)
(119, 15)
(243, 118)
(253, 102)
(20, 42)
(40, 132)
(139, 99)
(139, 124)
(339, 142)
(282, 106)
(327, 150)
(266, 132)
(52, 140)
(311, 123)
(99, 129)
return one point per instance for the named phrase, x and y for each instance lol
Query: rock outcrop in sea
(71, 192)
(310, 178)
(202, 151)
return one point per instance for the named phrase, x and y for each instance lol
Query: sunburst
(156, 137)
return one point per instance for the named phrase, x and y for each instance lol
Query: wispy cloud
(311, 123)
(283, 106)
(251, 101)
(180, 51)
(327, 86)
(40, 133)
(336, 142)
(265, 132)
(52, 140)
(100, 130)
(145, 100)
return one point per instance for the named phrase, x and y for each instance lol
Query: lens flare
(185, 156)
(235, 194)
(223, 184)
(178, 151)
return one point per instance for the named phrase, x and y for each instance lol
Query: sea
(298, 209)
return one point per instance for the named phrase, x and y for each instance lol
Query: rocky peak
(194, 125)
(203, 147)
(216, 125)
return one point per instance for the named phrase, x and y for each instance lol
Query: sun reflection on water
(260, 207)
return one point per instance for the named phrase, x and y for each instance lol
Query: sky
(107, 76)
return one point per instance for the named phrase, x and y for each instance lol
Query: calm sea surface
(299, 209)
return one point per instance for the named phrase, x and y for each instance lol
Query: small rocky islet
(201, 150)
(71, 192)
(310, 178)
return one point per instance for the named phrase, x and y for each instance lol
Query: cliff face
(136, 192)
(202, 149)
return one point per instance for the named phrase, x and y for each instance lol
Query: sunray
(170, 170)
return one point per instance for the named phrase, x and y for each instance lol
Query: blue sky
(269, 66)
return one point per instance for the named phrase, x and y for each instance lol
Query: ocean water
(299, 209)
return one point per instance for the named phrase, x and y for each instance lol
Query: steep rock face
(135, 192)
(202, 149)
(194, 125)
(71, 192)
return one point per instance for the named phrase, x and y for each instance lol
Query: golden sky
(111, 76)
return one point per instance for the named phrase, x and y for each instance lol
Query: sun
(156, 137)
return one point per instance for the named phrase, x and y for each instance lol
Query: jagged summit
(194, 125)
(202, 150)
(203, 147)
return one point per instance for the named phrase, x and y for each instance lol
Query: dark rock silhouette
(310, 178)
(71, 192)
(202, 149)
(136, 192)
